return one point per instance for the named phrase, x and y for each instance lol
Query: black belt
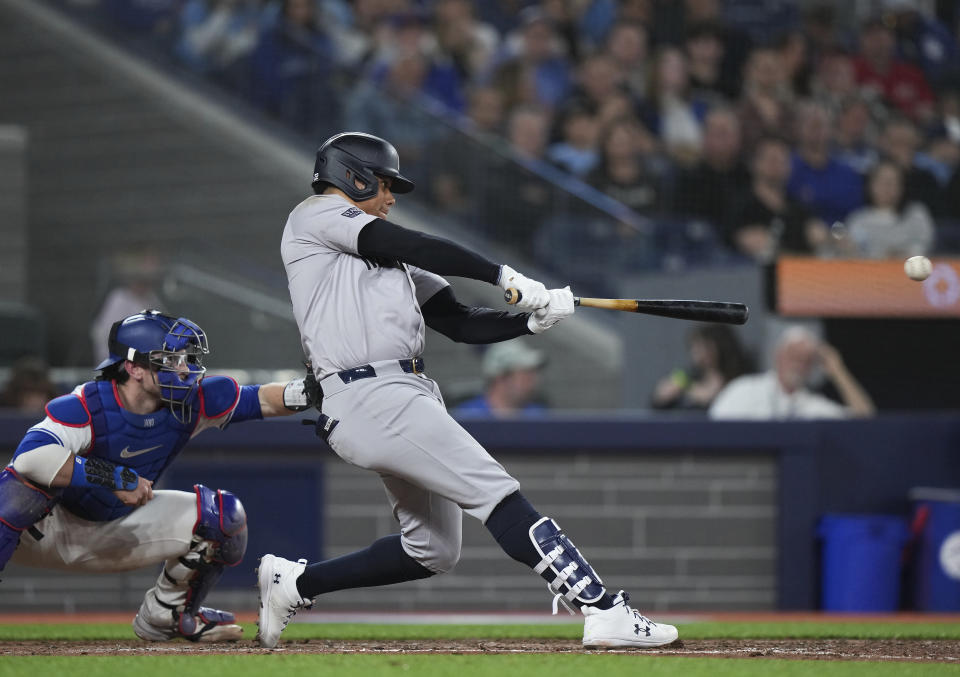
(413, 366)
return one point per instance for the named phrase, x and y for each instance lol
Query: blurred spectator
(674, 18)
(29, 387)
(502, 14)
(712, 189)
(355, 29)
(703, 46)
(598, 79)
(769, 222)
(879, 69)
(628, 47)
(819, 25)
(514, 198)
(214, 34)
(291, 68)
(410, 42)
(948, 112)
(453, 171)
(922, 39)
(136, 279)
(471, 44)
(626, 171)
(528, 131)
(670, 111)
(942, 153)
(485, 110)
(887, 227)
(716, 358)
(854, 135)
(835, 81)
(511, 371)
(577, 150)
(795, 57)
(765, 107)
(389, 109)
(900, 142)
(538, 72)
(617, 105)
(457, 175)
(563, 15)
(784, 391)
(819, 181)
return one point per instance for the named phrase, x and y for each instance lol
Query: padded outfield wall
(686, 514)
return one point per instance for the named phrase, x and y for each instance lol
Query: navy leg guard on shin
(569, 576)
(21, 506)
(221, 520)
(537, 541)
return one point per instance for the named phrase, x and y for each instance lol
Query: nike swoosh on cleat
(126, 453)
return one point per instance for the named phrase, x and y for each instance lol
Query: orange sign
(808, 287)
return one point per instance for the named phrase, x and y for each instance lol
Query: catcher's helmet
(171, 347)
(344, 157)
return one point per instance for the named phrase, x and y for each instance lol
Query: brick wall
(678, 531)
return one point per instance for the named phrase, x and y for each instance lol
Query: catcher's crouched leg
(172, 608)
(21, 506)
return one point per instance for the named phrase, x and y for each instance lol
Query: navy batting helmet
(172, 347)
(354, 155)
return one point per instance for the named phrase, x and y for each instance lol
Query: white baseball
(918, 268)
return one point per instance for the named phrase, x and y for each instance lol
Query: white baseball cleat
(279, 598)
(623, 626)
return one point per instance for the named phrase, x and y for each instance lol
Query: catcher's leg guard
(21, 506)
(172, 607)
(569, 576)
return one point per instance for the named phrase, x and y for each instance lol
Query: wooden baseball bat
(699, 311)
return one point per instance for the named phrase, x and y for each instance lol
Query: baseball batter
(78, 494)
(363, 290)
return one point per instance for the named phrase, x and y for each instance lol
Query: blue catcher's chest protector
(147, 443)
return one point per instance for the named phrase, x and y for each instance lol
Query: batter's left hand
(139, 496)
(560, 306)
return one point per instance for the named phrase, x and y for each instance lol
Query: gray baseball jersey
(350, 310)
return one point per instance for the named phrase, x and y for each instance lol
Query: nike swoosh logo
(126, 453)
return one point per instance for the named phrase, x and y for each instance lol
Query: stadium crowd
(750, 127)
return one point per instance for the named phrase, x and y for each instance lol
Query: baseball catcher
(78, 494)
(363, 291)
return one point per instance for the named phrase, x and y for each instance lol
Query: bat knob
(512, 296)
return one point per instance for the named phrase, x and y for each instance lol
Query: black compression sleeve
(381, 239)
(464, 324)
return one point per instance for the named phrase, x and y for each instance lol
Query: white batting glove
(533, 294)
(560, 306)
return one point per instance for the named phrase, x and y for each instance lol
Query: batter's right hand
(533, 294)
(138, 496)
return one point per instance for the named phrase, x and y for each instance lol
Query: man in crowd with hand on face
(784, 392)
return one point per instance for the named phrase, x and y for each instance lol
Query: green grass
(244, 664)
(363, 631)
(552, 665)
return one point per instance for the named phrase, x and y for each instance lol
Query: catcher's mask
(173, 350)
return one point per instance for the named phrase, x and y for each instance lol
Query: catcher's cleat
(279, 598)
(623, 626)
(208, 625)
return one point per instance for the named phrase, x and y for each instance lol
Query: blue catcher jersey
(147, 443)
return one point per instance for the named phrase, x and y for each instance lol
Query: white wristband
(294, 396)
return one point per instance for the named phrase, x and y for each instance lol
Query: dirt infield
(914, 651)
